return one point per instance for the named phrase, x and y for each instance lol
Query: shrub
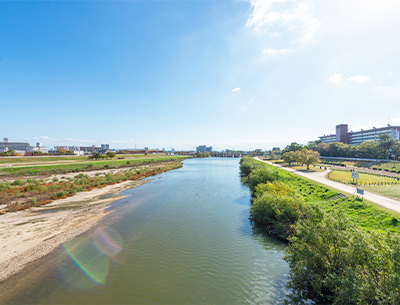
(60, 194)
(29, 188)
(5, 186)
(55, 179)
(261, 175)
(106, 166)
(19, 182)
(278, 207)
(333, 261)
(128, 162)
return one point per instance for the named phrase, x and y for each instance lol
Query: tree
(292, 147)
(97, 156)
(61, 151)
(69, 152)
(322, 149)
(386, 143)
(290, 157)
(369, 149)
(111, 154)
(308, 157)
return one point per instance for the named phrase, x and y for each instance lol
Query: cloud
(289, 15)
(44, 137)
(337, 78)
(236, 89)
(391, 74)
(358, 78)
(273, 52)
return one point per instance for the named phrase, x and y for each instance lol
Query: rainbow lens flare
(108, 240)
(81, 263)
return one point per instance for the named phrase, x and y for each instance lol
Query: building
(203, 148)
(6, 146)
(344, 136)
(37, 148)
(105, 146)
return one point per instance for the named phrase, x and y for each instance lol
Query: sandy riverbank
(30, 234)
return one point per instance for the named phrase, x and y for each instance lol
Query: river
(183, 238)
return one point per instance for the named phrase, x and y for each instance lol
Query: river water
(183, 238)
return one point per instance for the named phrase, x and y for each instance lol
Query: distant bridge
(226, 155)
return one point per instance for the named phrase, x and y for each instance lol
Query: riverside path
(321, 177)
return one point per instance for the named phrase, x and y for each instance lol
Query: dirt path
(321, 177)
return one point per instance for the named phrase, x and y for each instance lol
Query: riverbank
(35, 231)
(30, 234)
(337, 243)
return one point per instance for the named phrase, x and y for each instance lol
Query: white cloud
(358, 78)
(273, 52)
(44, 137)
(236, 89)
(391, 74)
(293, 16)
(336, 78)
(395, 120)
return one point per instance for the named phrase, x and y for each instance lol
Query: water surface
(183, 238)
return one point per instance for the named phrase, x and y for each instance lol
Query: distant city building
(105, 146)
(203, 148)
(6, 145)
(37, 148)
(344, 136)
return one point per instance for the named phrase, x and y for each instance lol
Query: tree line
(384, 148)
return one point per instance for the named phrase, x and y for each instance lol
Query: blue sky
(231, 74)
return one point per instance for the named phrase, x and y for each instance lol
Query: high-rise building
(343, 135)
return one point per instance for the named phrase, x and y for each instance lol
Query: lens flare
(86, 266)
(108, 240)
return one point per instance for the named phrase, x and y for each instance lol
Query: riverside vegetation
(22, 194)
(341, 251)
(79, 167)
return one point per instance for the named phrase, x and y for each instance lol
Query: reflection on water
(183, 239)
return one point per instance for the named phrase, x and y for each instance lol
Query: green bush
(261, 175)
(18, 182)
(5, 186)
(332, 261)
(61, 193)
(29, 188)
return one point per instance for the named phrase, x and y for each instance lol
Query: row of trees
(303, 156)
(384, 148)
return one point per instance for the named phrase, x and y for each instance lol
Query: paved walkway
(321, 177)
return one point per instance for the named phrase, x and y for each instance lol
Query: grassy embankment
(380, 185)
(341, 251)
(80, 167)
(23, 194)
(39, 159)
(366, 214)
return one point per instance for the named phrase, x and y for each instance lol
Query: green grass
(391, 191)
(6, 160)
(388, 166)
(345, 177)
(304, 169)
(367, 215)
(76, 167)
